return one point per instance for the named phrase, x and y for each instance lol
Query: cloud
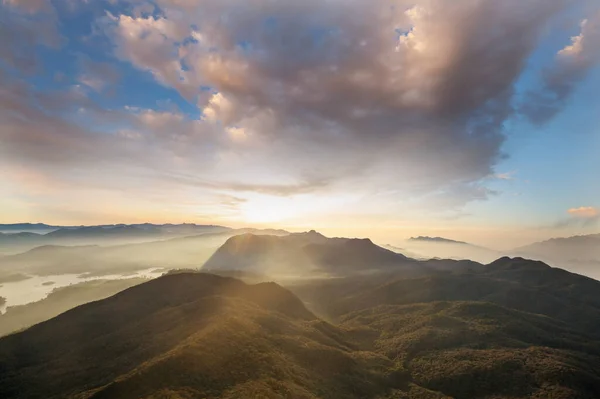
(30, 6)
(505, 176)
(415, 93)
(148, 43)
(407, 98)
(280, 190)
(582, 217)
(25, 24)
(97, 75)
(584, 212)
(571, 65)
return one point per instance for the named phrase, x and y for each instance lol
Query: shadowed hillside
(188, 335)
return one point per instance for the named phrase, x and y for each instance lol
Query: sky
(476, 120)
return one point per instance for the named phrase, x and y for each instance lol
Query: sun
(269, 209)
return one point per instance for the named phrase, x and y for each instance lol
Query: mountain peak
(507, 263)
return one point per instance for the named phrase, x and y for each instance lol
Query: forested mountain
(510, 329)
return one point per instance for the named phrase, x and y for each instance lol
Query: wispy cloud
(571, 65)
(584, 216)
(506, 176)
(584, 212)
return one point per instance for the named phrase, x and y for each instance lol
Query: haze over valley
(129, 254)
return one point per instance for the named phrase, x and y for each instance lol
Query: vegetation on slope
(479, 350)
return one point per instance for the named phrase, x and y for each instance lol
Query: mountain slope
(481, 350)
(190, 335)
(516, 283)
(512, 329)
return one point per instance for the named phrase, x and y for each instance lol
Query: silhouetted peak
(507, 263)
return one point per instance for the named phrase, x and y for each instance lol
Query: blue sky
(478, 122)
(553, 167)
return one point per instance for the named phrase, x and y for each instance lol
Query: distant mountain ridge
(580, 253)
(437, 239)
(17, 238)
(426, 247)
(27, 226)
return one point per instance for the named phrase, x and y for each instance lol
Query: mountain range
(577, 253)
(312, 254)
(188, 251)
(346, 319)
(426, 247)
(24, 236)
(580, 254)
(31, 227)
(511, 329)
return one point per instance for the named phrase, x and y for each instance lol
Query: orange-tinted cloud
(584, 212)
